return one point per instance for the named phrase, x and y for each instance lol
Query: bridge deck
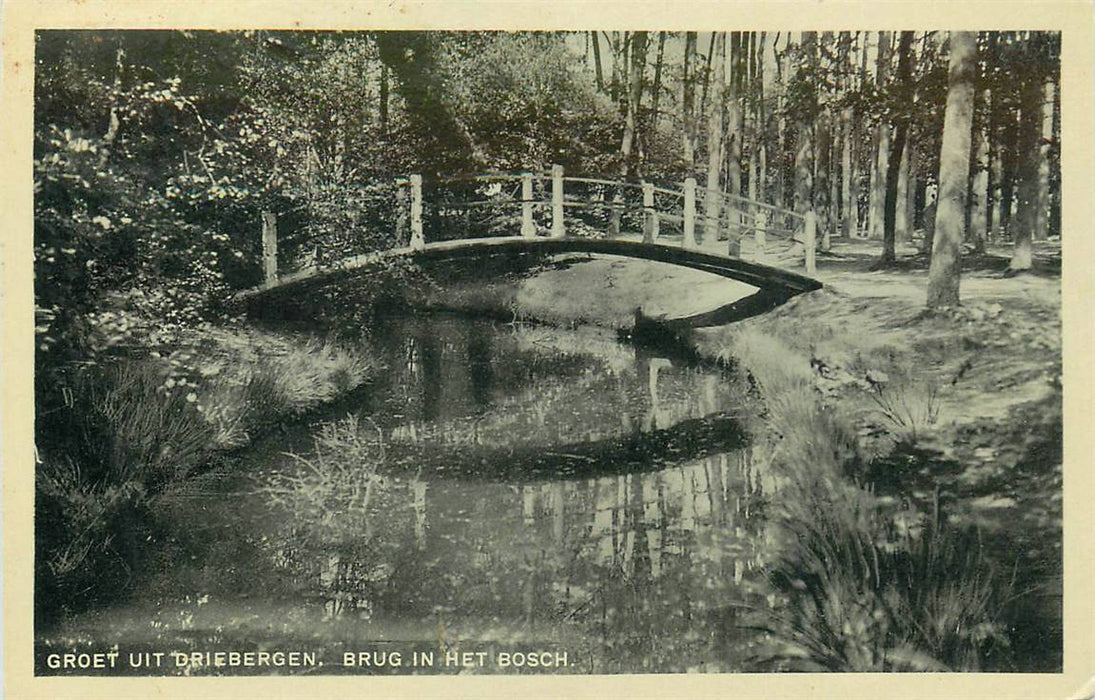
(763, 277)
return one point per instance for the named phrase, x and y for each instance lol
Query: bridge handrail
(536, 175)
(732, 213)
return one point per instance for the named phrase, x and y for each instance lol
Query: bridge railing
(553, 204)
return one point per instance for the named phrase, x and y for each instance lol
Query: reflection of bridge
(717, 232)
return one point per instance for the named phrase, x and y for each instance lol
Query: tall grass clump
(861, 589)
(857, 597)
(271, 379)
(134, 429)
(120, 438)
(911, 411)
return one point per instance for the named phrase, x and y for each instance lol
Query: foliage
(860, 599)
(129, 430)
(524, 96)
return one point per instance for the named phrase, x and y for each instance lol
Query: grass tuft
(859, 599)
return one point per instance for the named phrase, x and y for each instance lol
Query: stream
(539, 490)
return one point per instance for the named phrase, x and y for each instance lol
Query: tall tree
(954, 166)
(656, 87)
(903, 90)
(1029, 155)
(823, 200)
(1045, 148)
(595, 38)
(632, 128)
(1054, 225)
(760, 130)
(712, 201)
(688, 103)
(849, 171)
(413, 58)
(805, 109)
(880, 164)
(735, 113)
(977, 207)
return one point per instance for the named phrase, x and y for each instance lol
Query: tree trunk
(707, 71)
(850, 176)
(1041, 229)
(979, 180)
(889, 211)
(822, 189)
(629, 165)
(823, 202)
(804, 147)
(1055, 159)
(762, 130)
(1008, 155)
(882, 146)
(634, 99)
(893, 159)
(1030, 131)
(712, 201)
(735, 115)
(688, 106)
(413, 59)
(996, 173)
(598, 71)
(911, 190)
(656, 88)
(954, 167)
(902, 229)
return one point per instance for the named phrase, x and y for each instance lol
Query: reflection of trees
(463, 384)
(643, 566)
(646, 568)
(641, 563)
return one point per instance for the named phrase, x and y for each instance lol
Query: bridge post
(402, 209)
(528, 227)
(760, 235)
(418, 238)
(270, 247)
(558, 229)
(811, 242)
(650, 218)
(689, 213)
(735, 233)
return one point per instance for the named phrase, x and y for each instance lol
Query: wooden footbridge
(526, 213)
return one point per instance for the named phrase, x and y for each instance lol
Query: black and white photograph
(548, 352)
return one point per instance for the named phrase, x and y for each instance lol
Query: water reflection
(493, 401)
(645, 567)
(519, 522)
(540, 486)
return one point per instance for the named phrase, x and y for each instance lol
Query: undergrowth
(865, 585)
(860, 596)
(128, 429)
